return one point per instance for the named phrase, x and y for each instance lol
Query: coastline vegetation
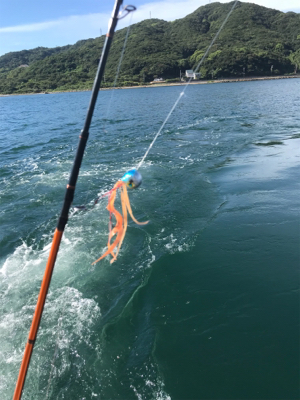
(255, 42)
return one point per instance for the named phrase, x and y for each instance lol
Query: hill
(256, 41)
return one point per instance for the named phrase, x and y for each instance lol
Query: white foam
(175, 245)
(153, 388)
(67, 322)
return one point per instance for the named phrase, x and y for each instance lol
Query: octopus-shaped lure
(132, 179)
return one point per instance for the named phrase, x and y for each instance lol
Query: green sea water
(203, 302)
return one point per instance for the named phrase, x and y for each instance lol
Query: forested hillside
(256, 41)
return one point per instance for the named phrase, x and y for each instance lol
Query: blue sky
(26, 24)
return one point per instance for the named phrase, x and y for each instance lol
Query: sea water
(203, 302)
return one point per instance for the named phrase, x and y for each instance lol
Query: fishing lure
(131, 180)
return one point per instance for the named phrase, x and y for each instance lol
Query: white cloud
(73, 21)
(29, 28)
(53, 33)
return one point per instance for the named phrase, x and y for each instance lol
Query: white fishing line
(112, 92)
(184, 89)
(118, 71)
(160, 129)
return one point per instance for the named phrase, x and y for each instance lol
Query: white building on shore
(189, 73)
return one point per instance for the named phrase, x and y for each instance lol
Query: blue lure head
(132, 178)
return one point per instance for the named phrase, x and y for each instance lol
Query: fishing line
(118, 69)
(176, 102)
(174, 105)
(126, 10)
(184, 89)
(133, 179)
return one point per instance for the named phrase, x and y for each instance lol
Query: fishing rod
(69, 195)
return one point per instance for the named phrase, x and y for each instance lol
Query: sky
(26, 24)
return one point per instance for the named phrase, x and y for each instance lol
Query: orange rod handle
(38, 313)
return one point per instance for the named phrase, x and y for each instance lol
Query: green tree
(295, 60)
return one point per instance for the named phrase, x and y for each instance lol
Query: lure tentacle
(128, 206)
(119, 230)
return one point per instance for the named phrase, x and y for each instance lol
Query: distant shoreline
(164, 84)
(227, 80)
